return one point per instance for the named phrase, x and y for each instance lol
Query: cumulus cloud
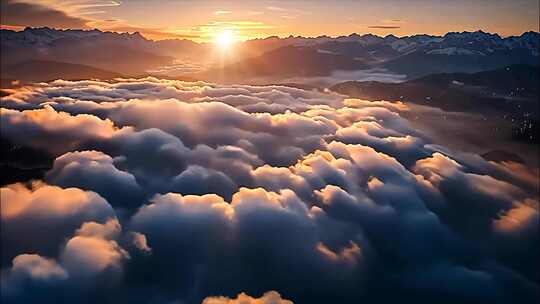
(50, 212)
(31, 270)
(140, 242)
(57, 132)
(520, 221)
(90, 255)
(227, 235)
(95, 171)
(87, 256)
(182, 190)
(38, 268)
(271, 297)
(93, 249)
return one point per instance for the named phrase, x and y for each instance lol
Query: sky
(203, 20)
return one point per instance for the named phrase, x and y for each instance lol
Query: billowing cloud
(188, 191)
(520, 221)
(95, 171)
(91, 254)
(50, 212)
(277, 225)
(140, 242)
(87, 256)
(38, 268)
(57, 131)
(270, 297)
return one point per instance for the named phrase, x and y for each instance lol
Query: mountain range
(132, 54)
(415, 56)
(508, 94)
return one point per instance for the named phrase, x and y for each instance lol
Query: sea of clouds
(166, 191)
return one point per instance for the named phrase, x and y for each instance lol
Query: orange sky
(202, 20)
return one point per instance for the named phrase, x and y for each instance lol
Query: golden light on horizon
(225, 39)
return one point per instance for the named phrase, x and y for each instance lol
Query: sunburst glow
(225, 39)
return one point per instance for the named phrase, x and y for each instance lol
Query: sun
(225, 39)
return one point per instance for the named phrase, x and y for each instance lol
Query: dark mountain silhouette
(20, 163)
(419, 63)
(42, 70)
(453, 91)
(510, 93)
(288, 61)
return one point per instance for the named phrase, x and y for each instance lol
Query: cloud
(15, 13)
(270, 297)
(51, 212)
(109, 230)
(59, 132)
(38, 268)
(199, 180)
(276, 8)
(277, 225)
(222, 12)
(91, 254)
(140, 242)
(95, 171)
(384, 27)
(445, 278)
(520, 221)
(88, 256)
(31, 271)
(393, 21)
(75, 15)
(185, 190)
(515, 235)
(242, 28)
(338, 76)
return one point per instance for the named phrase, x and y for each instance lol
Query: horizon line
(2, 28)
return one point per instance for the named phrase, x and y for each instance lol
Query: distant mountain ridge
(510, 93)
(516, 82)
(42, 70)
(287, 61)
(126, 53)
(414, 56)
(406, 44)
